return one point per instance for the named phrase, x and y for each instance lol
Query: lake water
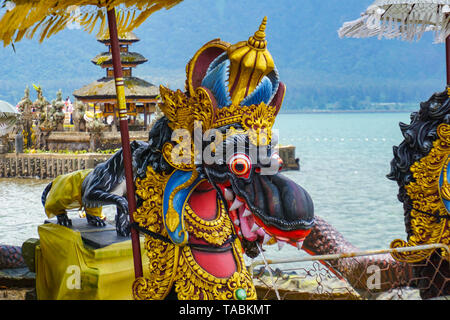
(344, 159)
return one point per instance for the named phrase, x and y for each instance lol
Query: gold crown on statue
(249, 62)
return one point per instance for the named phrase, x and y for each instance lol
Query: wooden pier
(287, 154)
(50, 165)
(46, 165)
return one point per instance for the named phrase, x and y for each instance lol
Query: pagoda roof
(105, 58)
(105, 88)
(129, 37)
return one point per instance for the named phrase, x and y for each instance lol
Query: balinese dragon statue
(420, 168)
(208, 188)
(213, 190)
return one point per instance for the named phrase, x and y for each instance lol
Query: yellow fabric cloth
(68, 270)
(65, 194)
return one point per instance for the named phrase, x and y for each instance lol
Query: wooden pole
(145, 116)
(447, 59)
(124, 134)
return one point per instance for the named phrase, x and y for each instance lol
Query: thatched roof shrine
(104, 89)
(104, 59)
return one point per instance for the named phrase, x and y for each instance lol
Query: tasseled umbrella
(405, 20)
(8, 117)
(27, 18)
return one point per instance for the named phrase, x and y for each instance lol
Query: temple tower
(141, 96)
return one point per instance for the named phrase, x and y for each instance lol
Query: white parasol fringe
(6, 124)
(405, 21)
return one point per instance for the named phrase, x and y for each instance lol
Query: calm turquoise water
(344, 160)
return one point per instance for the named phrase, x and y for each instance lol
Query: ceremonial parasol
(405, 20)
(8, 117)
(30, 17)
(7, 108)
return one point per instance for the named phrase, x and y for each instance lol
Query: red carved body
(203, 202)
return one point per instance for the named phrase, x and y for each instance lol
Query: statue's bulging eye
(240, 164)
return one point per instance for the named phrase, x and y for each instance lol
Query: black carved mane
(157, 137)
(419, 136)
(432, 274)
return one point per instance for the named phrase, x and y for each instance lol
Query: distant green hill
(320, 70)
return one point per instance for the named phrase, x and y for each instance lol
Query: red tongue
(292, 236)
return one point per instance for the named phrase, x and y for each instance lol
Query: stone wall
(76, 141)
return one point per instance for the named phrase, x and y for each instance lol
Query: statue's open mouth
(270, 207)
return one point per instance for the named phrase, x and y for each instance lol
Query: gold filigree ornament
(194, 283)
(150, 189)
(176, 107)
(174, 265)
(181, 155)
(163, 262)
(183, 112)
(254, 119)
(445, 188)
(258, 123)
(162, 256)
(215, 231)
(427, 198)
